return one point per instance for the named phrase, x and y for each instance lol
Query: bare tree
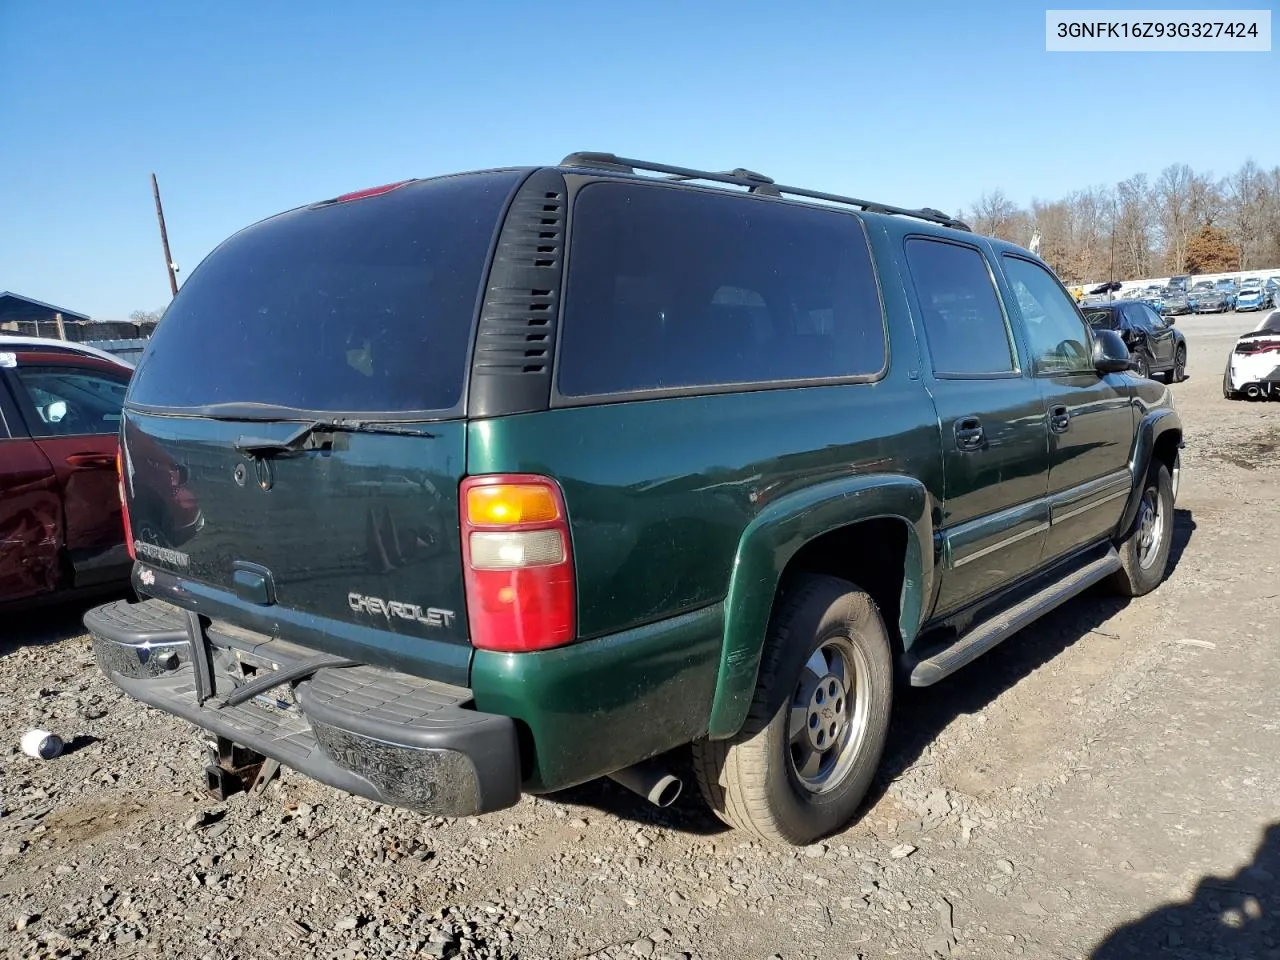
(1053, 222)
(1090, 245)
(1246, 201)
(1173, 212)
(1134, 215)
(992, 214)
(1269, 227)
(1139, 228)
(1208, 203)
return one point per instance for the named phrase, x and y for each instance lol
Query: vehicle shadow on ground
(921, 714)
(1234, 916)
(47, 625)
(918, 716)
(687, 815)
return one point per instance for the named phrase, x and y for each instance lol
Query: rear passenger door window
(1139, 320)
(679, 289)
(1056, 333)
(1153, 319)
(963, 320)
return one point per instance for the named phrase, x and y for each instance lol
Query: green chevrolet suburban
(519, 478)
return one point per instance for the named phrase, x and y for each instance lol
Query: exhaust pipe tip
(1252, 391)
(650, 780)
(666, 791)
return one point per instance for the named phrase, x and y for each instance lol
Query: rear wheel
(1179, 371)
(817, 724)
(1143, 360)
(1144, 550)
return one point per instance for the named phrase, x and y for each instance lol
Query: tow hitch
(234, 769)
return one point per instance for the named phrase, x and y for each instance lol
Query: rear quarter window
(675, 288)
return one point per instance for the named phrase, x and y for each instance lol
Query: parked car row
(1207, 297)
(1182, 295)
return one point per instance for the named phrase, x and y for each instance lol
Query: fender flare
(774, 537)
(1151, 428)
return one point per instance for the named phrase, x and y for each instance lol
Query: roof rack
(754, 182)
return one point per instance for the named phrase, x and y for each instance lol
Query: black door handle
(1059, 419)
(969, 434)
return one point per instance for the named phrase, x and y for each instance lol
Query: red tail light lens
(518, 563)
(124, 505)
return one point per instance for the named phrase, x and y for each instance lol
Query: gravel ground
(1103, 785)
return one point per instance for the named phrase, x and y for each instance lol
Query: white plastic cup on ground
(41, 744)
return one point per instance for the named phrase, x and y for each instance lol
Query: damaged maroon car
(61, 528)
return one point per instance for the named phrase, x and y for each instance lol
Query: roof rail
(754, 182)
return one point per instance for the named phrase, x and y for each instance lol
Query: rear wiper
(319, 434)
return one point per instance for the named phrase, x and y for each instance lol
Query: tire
(1144, 364)
(759, 781)
(1144, 549)
(1179, 371)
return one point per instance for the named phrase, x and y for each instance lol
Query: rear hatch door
(294, 434)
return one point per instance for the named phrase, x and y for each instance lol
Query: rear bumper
(396, 739)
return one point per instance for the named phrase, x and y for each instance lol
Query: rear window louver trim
(515, 338)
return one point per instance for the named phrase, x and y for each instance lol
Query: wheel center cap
(827, 714)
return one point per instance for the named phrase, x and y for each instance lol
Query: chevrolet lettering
(406, 611)
(174, 558)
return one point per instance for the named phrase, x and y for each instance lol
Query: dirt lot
(1104, 785)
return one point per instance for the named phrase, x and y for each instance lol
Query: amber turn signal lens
(504, 504)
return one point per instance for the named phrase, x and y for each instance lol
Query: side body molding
(775, 536)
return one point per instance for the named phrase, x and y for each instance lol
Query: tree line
(1182, 222)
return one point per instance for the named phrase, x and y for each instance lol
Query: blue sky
(243, 109)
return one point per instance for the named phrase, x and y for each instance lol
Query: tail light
(518, 563)
(124, 506)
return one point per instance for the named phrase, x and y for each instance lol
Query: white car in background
(1253, 369)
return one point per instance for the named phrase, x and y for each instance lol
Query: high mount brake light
(368, 192)
(518, 563)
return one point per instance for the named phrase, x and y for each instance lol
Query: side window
(70, 401)
(1104, 319)
(675, 288)
(963, 321)
(1154, 319)
(1139, 320)
(1057, 336)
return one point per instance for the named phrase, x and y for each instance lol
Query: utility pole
(1111, 293)
(164, 238)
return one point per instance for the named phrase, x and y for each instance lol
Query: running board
(987, 634)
